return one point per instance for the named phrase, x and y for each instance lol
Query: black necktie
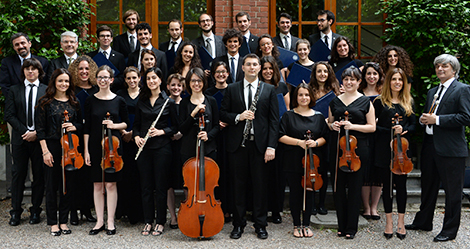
(286, 40)
(250, 96)
(30, 105)
(173, 46)
(232, 69)
(326, 41)
(105, 54)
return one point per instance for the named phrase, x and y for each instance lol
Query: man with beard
(175, 28)
(144, 35)
(243, 21)
(213, 43)
(69, 44)
(11, 65)
(325, 19)
(127, 42)
(285, 39)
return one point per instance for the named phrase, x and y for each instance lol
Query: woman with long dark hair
(266, 47)
(59, 97)
(186, 59)
(342, 53)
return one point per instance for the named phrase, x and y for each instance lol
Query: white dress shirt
(429, 129)
(35, 93)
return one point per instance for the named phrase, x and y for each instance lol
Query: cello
(401, 164)
(71, 158)
(312, 179)
(201, 212)
(349, 161)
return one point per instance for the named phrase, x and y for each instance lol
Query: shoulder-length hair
(295, 103)
(276, 73)
(195, 61)
(52, 89)
(334, 50)
(200, 74)
(275, 52)
(73, 69)
(404, 95)
(331, 83)
(145, 92)
(376, 67)
(144, 52)
(404, 61)
(32, 62)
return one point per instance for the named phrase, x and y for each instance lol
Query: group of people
(152, 105)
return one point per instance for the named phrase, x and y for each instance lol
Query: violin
(401, 163)
(71, 158)
(349, 161)
(111, 161)
(312, 179)
(201, 212)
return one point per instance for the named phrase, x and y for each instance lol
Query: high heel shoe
(73, 218)
(88, 216)
(96, 231)
(389, 235)
(401, 236)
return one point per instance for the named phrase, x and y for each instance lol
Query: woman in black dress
(294, 125)
(362, 121)
(371, 86)
(342, 53)
(395, 98)
(129, 197)
(96, 108)
(189, 112)
(175, 84)
(58, 98)
(83, 71)
(155, 158)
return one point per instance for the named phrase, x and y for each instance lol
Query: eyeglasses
(101, 78)
(199, 81)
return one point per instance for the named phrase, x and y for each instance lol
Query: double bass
(401, 164)
(71, 158)
(201, 212)
(312, 179)
(349, 160)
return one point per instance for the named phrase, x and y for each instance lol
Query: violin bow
(62, 131)
(305, 176)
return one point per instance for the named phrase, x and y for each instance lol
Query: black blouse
(131, 103)
(145, 115)
(342, 62)
(50, 119)
(357, 109)
(384, 125)
(190, 126)
(295, 125)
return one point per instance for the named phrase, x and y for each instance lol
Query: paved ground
(280, 236)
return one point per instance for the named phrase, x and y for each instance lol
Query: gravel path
(280, 236)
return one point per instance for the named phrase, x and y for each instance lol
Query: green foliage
(426, 29)
(44, 21)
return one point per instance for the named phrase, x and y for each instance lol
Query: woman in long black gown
(361, 121)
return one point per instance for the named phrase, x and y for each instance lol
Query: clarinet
(249, 123)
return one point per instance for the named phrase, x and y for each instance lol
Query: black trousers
(276, 184)
(54, 183)
(399, 181)
(296, 198)
(21, 155)
(247, 163)
(434, 170)
(153, 164)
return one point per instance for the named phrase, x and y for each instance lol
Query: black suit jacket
(10, 72)
(252, 43)
(220, 48)
(119, 62)
(133, 60)
(454, 115)
(293, 40)
(121, 44)
(266, 122)
(313, 38)
(15, 110)
(60, 62)
(164, 46)
(239, 75)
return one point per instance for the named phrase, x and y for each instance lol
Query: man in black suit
(127, 42)
(325, 19)
(10, 69)
(213, 43)
(232, 40)
(69, 44)
(144, 35)
(249, 151)
(175, 29)
(105, 37)
(285, 39)
(444, 148)
(20, 114)
(243, 20)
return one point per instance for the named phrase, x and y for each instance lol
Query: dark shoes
(34, 218)
(401, 236)
(56, 233)
(174, 226)
(73, 218)
(442, 238)
(236, 233)
(389, 235)
(322, 211)
(66, 231)
(276, 219)
(87, 215)
(96, 231)
(261, 233)
(415, 227)
(14, 220)
(111, 232)
(314, 211)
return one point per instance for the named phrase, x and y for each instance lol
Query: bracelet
(297, 142)
(46, 153)
(316, 143)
